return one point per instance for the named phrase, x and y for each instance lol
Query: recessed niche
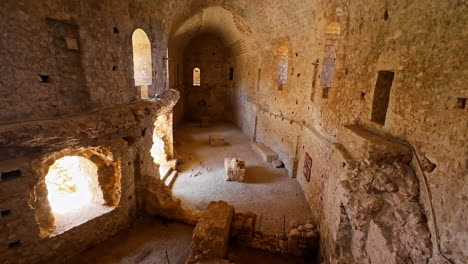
(130, 140)
(9, 175)
(116, 30)
(5, 213)
(114, 68)
(382, 96)
(231, 74)
(363, 95)
(461, 103)
(44, 78)
(15, 244)
(385, 17)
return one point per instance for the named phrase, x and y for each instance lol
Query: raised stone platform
(267, 154)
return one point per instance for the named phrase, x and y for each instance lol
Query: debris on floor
(235, 169)
(216, 141)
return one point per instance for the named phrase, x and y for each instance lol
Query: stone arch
(108, 175)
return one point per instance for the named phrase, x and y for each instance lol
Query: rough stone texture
(235, 169)
(243, 226)
(116, 140)
(301, 240)
(423, 42)
(211, 235)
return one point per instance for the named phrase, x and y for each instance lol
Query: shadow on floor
(258, 174)
(241, 255)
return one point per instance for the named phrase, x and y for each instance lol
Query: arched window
(142, 66)
(196, 77)
(282, 54)
(332, 37)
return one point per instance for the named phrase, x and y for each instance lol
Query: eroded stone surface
(211, 235)
(235, 169)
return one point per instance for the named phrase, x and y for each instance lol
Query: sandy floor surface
(148, 240)
(267, 191)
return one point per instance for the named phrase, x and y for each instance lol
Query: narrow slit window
(196, 77)
(382, 96)
(332, 36)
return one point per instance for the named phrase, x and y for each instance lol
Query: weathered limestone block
(211, 235)
(243, 226)
(267, 154)
(216, 141)
(235, 169)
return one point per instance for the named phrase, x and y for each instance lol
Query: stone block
(266, 153)
(235, 169)
(211, 235)
(216, 140)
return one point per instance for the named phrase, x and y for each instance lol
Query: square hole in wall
(15, 244)
(114, 68)
(5, 213)
(44, 78)
(461, 103)
(10, 175)
(116, 30)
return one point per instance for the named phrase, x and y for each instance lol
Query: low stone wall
(300, 241)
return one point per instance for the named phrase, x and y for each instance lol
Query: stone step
(164, 172)
(266, 153)
(171, 179)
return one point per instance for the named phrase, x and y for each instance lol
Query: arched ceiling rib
(212, 20)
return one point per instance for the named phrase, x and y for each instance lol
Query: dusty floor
(149, 239)
(267, 190)
(146, 243)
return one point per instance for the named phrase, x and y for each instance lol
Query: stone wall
(422, 42)
(61, 57)
(122, 135)
(212, 98)
(419, 41)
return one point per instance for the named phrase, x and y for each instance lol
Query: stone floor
(267, 190)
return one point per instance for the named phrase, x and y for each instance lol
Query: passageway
(267, 191)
